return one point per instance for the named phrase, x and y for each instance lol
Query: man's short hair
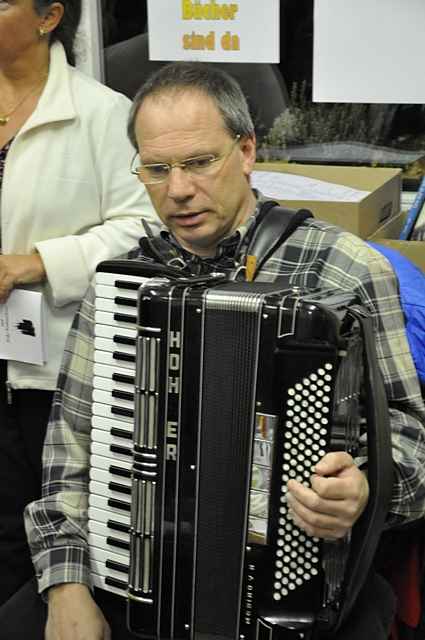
(215, 83)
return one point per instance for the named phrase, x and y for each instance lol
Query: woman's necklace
(5, 117)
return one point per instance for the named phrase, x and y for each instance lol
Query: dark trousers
(23, 617)
(23, 420)
(373, 613)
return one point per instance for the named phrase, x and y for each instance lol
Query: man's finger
(318, 530)
(333, 488)
(333, 463)
(308, 501)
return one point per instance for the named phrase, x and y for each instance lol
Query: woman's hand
(19, 270)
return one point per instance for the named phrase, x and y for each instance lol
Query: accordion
(208, 397)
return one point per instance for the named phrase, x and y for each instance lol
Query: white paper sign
(23, 327)
(287, 186)
(214, 31)
(369, 51)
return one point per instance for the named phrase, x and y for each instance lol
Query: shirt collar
(56, 102)
(229, 246)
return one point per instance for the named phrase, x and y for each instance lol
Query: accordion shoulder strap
(274, 225)
(368, 530)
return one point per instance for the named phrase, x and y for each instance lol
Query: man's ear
(248, 147)
(52, 17)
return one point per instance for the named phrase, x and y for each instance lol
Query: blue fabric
(412, 295)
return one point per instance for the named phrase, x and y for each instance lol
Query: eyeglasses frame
(182, 164)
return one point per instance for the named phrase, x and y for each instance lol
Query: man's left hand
(19, 270)
(338, 495)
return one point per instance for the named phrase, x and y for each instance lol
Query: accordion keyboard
(112, 429)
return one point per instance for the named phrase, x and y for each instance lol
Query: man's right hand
(74, 615)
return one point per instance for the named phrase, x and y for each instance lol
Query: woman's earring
(41, 32)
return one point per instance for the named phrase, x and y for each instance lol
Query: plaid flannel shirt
(317, 255)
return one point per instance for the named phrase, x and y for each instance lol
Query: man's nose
(180, 184)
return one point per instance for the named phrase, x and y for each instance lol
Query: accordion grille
(227, 415)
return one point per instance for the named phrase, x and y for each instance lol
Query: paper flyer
(22, 327)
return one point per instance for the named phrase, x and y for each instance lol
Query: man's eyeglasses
(199, 166)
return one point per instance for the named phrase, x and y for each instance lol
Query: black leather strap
(380, 469)
(274, 225)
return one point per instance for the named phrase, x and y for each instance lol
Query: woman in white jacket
(67, 201)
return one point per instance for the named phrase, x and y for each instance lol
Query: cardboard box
(390, 230)
(361, 218)
(387, 235)
(412, 249)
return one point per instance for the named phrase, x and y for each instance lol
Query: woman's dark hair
(67, 28)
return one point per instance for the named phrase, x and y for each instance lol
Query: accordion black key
(235, 388)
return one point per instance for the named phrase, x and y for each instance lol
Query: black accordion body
(209, 396)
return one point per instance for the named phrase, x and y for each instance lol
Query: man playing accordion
(195, 140)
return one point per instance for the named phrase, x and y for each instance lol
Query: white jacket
(68, 192)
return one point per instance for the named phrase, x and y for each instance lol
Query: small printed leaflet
(22, 327)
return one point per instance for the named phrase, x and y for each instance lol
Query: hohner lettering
(171, 440)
